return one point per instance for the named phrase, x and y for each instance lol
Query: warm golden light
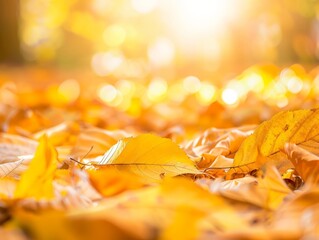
(197, 18)
(294, 85)
(161, 52)
(157, 89)
(144, 6)
(105, 63)
(230, 96)
(191, 84)
(254, 82)
(114, 35)
(107, 93)
(69, 90)
(206, 93)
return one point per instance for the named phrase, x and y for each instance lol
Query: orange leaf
(110, 181)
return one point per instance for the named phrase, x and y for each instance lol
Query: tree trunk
(10, 52)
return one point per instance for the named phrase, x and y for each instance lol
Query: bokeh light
(69, 90)
(191, 84)
(230, 96)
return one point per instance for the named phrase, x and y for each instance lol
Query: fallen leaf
(267, 191)
(101, 140)
(63, 226)
(293, 216)
(208, 140)
(299, 127)
(36, 181)
(110, 181)
(149, 156)
(15, 154)
(225, 147)
(305, 162)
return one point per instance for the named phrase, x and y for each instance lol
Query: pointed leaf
(300, 127)
(149, 156)
(36, 181)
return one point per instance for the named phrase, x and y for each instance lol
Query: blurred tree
(9, 32)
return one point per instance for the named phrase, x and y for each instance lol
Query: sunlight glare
(191, 84)
(157, 89)
(107, 93)
(206, 94)
(196, 17)
(230, 96)
(69, 89)
(144, 6)
(161, 52)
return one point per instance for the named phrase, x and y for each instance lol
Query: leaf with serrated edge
(299, 127)
(149, 156)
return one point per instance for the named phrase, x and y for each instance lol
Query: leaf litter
(78, 180)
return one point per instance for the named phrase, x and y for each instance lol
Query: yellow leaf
(149, 156)
(298, 127)
(272, 186)
(36, 181)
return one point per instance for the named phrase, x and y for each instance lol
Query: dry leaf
(207, 140)
(160, 208)
(36, 182)
(15, 154)
(148, 156)
(300, 127)
(305, 163)
(109, 181)
(225, 147)
(61, 227)
(101, 140)
(267, 192)
(293, 216)
(61, 134)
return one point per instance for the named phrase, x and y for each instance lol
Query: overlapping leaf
(299, 127)
(305, 162)
(37, 181)
(148, 156)
(15, 154)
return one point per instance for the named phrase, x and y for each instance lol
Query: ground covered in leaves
(82, 170)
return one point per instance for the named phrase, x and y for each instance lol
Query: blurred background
(160, 37)
(132, 55)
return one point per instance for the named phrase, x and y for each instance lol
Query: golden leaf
(300, 127)
(149, 156)
(36, 181)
